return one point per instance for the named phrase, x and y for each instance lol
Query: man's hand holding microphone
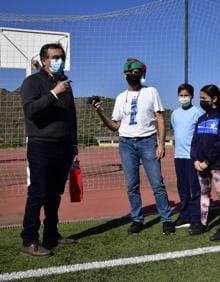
(61, 87)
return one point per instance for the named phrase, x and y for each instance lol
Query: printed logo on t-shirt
(133, 112)
(209, 126)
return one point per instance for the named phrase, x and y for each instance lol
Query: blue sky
(67, 7)
(99, 50)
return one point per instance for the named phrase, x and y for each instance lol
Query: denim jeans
(132, 151)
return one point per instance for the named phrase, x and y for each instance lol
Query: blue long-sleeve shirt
(206, 139)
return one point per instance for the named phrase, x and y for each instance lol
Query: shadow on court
(118, 222)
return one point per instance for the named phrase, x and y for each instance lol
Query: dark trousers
(189, 190)
(49, 164)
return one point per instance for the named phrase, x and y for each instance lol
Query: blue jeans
(132, 150)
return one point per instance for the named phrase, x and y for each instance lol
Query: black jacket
(46, 117)
(206, 140)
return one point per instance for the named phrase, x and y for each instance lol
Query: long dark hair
(212, 91)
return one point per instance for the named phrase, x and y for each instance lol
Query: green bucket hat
(133, 63)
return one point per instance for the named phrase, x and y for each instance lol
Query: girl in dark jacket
(205, 149)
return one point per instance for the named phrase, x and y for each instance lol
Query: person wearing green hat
(138, 116)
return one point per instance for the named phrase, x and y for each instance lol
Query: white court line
(103, 264)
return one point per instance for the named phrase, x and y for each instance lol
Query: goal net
(99, 46)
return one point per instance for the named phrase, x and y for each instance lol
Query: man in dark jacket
(51, 130)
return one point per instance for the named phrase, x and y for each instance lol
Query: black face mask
(133, 79)
(205, 105)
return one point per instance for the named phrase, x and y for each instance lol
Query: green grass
(107, 239)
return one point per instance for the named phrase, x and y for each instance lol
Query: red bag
(75, 182)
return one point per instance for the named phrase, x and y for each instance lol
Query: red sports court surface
(105, 192)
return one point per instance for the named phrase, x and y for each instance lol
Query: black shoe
(135, 227)
(59, 241)
(182, 222)
(168, 227)
(216, 236)
(197, 228)
(49, 245)
(66, 241)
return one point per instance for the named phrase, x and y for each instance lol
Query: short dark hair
(212, 91)
(188, 87)
(44, 50)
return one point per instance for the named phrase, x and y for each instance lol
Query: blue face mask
(57, 65)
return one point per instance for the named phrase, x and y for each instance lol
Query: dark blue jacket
(206, 140)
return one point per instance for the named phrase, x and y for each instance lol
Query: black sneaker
(135, 227)
(168, 227)
(182, 222)
(197, 228)
(216, 236)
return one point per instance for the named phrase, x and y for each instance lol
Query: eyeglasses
(57, 57)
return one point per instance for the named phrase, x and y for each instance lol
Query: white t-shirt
(136, 111)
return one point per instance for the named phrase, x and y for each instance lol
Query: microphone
(61, 76)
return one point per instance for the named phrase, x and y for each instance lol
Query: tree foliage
(12, 131)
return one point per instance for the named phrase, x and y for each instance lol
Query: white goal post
(19, 48)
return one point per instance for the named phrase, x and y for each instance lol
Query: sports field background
(104, 187)
(100, 44)
(101, 170)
